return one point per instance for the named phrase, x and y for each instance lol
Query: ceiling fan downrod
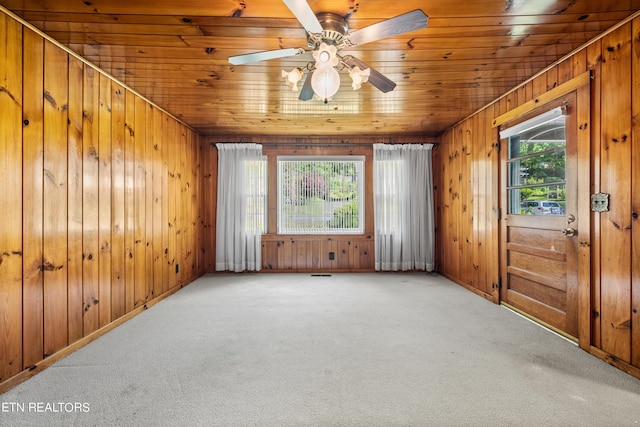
(334, 30)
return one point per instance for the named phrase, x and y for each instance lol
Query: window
(320, 195)
(536, 165)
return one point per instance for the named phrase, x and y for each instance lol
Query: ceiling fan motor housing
(334, 30)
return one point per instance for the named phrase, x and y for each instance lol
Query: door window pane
(536, 170)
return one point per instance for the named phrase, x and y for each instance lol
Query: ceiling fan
(327, 33)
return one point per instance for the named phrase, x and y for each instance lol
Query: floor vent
(320, 275)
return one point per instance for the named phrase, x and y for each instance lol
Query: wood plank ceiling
(175, 53)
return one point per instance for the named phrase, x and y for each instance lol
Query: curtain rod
(322, 144)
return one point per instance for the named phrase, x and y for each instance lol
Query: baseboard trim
(615, 362)
(470, 288)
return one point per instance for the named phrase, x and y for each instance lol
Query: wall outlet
(177, 268)
(332, 256)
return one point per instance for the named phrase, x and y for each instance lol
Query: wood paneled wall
(467, 190)
(311, 253)
(304, 253)
(466, 204)
(101, 207)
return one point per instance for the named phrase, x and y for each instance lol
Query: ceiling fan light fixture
(292, 78)
(325, 82)
(326, 55)
(359, 76)
(327, 33)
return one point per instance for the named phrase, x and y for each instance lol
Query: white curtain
(238, 236)
(403, 207)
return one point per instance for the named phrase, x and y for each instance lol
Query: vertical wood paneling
(327, 246)
(466, 171)
(129, 201)
(158, 183)
(284, 255)
(309, 252)
(539, 86)
(342, 254)
(74, 193)
(492, 206)
(177, 197)
(316, 246)
(48, 170)
(301, 252)
(187, 200)
(90, 170)
(181, 248)
(198, 207)
(479, 221)
(55, 203)
(635, 196)
(607, 165)
(11, 250)
(148, 200)
(171, 222)
(164, 147)
(465, 195)
(454, 204)
(594, 64)
(193, 166)
(552, 78)
(185, 267)
(140, 204)
(584, 282)
(269, 255)
(365, 255)
(475, 199)
(104, 201)
(75, 179)
(118, 246)
(33, 168)
(615, 179)
(565, 71)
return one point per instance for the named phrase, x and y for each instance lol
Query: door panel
(539, 242)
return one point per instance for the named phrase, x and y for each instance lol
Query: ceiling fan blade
(306, 93)
(376, 78)
(304, 13)
(262, 56)
(410, 21)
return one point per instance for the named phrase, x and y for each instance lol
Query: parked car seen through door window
(541, 207)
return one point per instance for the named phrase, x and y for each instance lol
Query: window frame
(360, 161)
(514, 186)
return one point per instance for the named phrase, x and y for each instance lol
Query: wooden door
(539, 243)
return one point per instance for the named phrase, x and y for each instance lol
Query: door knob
(569, 232)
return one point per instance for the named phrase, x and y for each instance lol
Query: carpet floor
(379, 349)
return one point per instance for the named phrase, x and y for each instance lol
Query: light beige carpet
(383, 349)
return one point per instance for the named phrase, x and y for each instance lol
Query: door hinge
(499, 213)
(498, 146)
